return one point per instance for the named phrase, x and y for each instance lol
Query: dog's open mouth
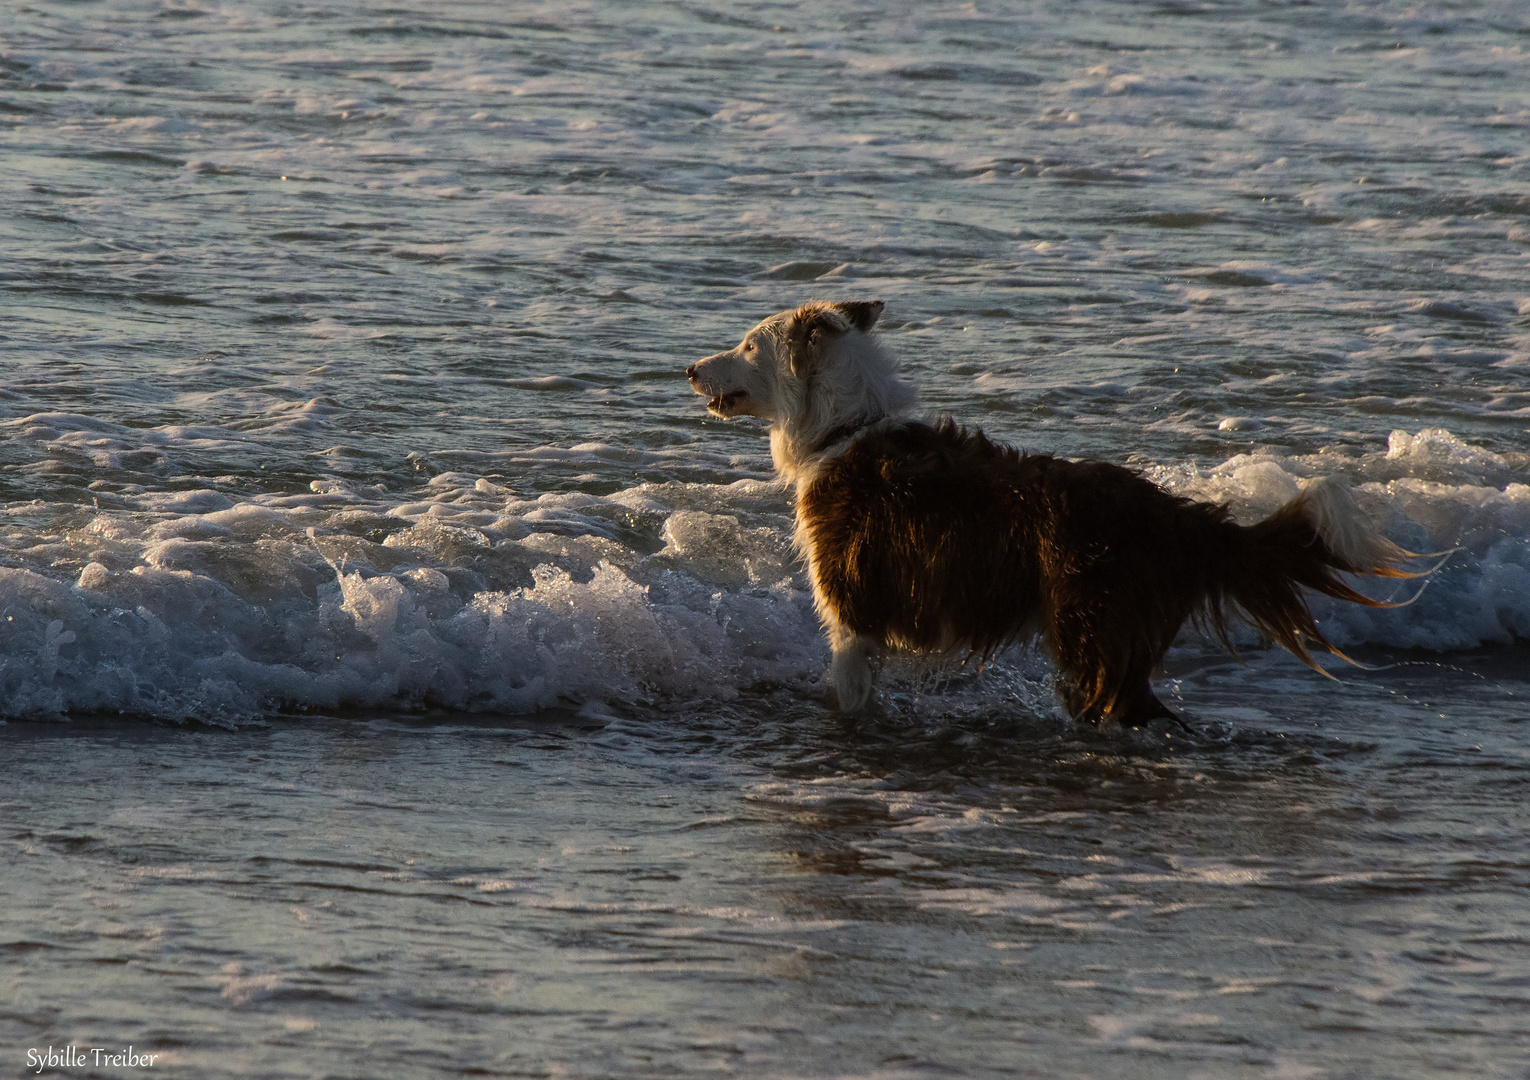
(723, 404)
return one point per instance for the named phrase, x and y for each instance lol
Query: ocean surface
(402, 675)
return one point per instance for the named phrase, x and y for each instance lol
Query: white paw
(852, 678)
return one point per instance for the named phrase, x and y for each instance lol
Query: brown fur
(939, 540)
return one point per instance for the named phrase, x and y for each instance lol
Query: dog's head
(767, 374)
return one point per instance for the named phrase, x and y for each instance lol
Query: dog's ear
(812, 327)
(863, 314)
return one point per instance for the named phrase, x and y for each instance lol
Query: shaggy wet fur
(933, 539)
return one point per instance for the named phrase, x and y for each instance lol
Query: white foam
(224, 615)
(190, 604)
(1430, 491)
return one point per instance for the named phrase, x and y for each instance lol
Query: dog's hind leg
(851, 671)
(1138, 705)
(1096, 684)
(1086, 672)
(1133, 705)
(1076, 699)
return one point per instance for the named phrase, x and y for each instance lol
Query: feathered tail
(1308, 542)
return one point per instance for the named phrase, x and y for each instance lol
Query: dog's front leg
(851, 671)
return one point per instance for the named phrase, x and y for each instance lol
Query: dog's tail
(1308, 542)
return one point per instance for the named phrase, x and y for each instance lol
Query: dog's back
(935, 539)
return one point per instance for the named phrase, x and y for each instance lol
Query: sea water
(403, 676)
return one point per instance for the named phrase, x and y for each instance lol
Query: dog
(928, 538)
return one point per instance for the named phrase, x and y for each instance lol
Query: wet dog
(930, 538)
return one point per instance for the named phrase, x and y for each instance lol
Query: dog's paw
(851, 675)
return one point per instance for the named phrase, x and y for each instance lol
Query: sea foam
(194, 605)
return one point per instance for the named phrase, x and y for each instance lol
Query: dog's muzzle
(721, 404)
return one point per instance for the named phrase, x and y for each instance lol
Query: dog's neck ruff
(842, 433)
(798, 462)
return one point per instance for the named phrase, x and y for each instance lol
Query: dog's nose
(690, 373)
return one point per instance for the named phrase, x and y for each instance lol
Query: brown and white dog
(933, 539)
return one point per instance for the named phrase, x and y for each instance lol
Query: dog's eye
(749, 346)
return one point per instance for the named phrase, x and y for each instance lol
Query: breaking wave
(199, 605)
